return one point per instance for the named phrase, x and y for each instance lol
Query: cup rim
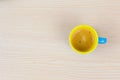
(85, 27)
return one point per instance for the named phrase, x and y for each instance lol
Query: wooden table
(34, 40)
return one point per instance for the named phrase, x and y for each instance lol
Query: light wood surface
(34, 40)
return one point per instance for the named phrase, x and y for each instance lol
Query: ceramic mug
(84, 39)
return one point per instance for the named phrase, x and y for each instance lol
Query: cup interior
(83, 39)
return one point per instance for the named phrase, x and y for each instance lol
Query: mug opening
(83, 39)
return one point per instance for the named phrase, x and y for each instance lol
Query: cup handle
(102, 40)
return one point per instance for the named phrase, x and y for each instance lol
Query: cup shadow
(65, 24)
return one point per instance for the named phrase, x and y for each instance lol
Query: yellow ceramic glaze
(83, 39)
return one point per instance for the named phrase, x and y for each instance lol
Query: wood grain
(34, 40)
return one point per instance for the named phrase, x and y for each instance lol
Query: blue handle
(102, 40)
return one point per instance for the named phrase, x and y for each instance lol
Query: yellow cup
(84, 39)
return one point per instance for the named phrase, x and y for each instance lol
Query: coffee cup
(84, 39)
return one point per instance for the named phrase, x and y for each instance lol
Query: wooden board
(34, 40)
